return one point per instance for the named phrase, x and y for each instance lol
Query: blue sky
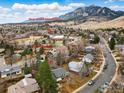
(20, 10)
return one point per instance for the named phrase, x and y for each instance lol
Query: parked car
(104, 86)
(105, 66)
(110, 52)
(91, 82)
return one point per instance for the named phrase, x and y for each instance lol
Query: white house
(57, 39)
(89, 49)
(75, 66)
(91, 37)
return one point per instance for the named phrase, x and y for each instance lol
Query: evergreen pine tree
(45, 79)
(112, 43)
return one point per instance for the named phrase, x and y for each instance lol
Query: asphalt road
(106, 75)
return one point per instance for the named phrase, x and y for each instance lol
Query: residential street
(106, 75)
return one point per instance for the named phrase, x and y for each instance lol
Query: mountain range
(83, 14)
(115, 23)
(88, 12)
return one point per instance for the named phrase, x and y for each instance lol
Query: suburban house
(89, 49)
(88, 58)
(26, 85)
(44, 46)
(8, 70)
(16, 57)
(57, 39)
(27, 40)
(121, 48)
(91, 38)
(59, 74)
(50, 31)
(18, 51)
(2, 60)
(76, 44)
(43, 57)
(51, 57)
(42, 43)
(60, 49)
(1, 51)
(63, 50)
(69, 39)
(79, 68)
(53, 52)
(75, 66)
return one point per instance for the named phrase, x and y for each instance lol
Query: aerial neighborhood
(78, 52)
(67, 54)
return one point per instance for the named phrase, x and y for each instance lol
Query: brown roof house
(26, 85)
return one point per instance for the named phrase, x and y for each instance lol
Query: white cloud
(111, 1)
(117, 7)
(4, 10)
(11, 17)
(19, 12)
(52, 6)
(77, 4)
(108, 1)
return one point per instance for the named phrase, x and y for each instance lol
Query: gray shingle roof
(59, 73)
(7, 69)
(89, 56)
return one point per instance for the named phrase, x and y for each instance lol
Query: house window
(42, 58)
(13, 73)
(17, 72)
(8, 74)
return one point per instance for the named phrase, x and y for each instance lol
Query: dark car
(105, 66)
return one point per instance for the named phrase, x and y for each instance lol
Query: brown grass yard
(75, 81)
(6, 82)
(119, 57)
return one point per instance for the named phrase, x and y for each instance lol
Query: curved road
(106, 75)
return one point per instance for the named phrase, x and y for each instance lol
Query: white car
(91, 82)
